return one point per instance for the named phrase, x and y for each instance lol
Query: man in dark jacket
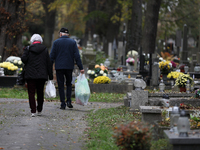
(38, 69)
(64, 52)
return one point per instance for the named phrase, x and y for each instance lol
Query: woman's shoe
(33, 115)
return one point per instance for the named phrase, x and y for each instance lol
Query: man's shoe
(63, 108)
(69, 105)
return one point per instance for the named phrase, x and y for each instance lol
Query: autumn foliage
(134, 135)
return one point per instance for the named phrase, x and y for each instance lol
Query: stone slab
(151, 113)
(109, 88)
(138, 98)
(171, 94)
(187, 101)
(8, 81)
(150, 109)
(184, 143)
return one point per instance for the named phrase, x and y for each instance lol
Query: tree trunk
(11, 27)
(150, 27)
(49, 23)
(90, 24)
(134, 30)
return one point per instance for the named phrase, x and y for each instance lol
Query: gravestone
(136, 62)
(120, 53)
(138, 98)
(185, 48)
(110, 51)
(178, 42)
(89, 56)
(155, 74)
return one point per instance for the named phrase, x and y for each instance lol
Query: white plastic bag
(82, 90)
(50, 91)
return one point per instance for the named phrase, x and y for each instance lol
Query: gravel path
(55, 130)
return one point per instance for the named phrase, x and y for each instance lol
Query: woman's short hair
(36, 37)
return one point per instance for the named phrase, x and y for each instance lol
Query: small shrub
(161, 144)
(133, 136)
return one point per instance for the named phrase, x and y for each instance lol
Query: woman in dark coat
(38, 70)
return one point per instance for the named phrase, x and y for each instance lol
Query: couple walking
(38, 68)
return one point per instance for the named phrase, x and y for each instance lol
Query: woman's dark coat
(37, 62)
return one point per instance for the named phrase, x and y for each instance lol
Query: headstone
(185, 51)
(136, 62)
(155, 74)
(110, 51)
(178, 42)
(138, 98)
(120, 53)
(89, 56)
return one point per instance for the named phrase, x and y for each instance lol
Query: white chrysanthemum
(161, 59)
(19, 62)
(170, 64)
(105, 74)
(164, 60)
(92, 72)
(101, 72)
(89, 72)
(15, 61)
(95, 75)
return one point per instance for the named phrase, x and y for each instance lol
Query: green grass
(101, 124)
(22, 93)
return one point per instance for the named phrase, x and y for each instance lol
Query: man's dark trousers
(60, 74)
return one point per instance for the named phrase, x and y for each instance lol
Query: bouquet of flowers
(173, 64)
(9, 68)
(17, 63)
(165, 66)
(100, 70)
(174, 74)
(182, 80)
(130, 61)
(101, 80)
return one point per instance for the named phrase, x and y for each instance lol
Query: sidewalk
(55, 130)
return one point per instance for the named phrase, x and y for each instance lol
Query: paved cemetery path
(55, 130)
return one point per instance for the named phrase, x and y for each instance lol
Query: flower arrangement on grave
(130, 61)
(182, 80)
(99, 70)
(101, 80)
(9, 68)
(195, 119)
(173, 64)
(174, 75)
(17, 63)
(165, 67)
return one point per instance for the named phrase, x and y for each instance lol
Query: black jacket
(37, 62)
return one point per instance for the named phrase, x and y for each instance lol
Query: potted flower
(165, 67)
(101, 80)
(174, 75)
(182, 80)
(9, 68)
